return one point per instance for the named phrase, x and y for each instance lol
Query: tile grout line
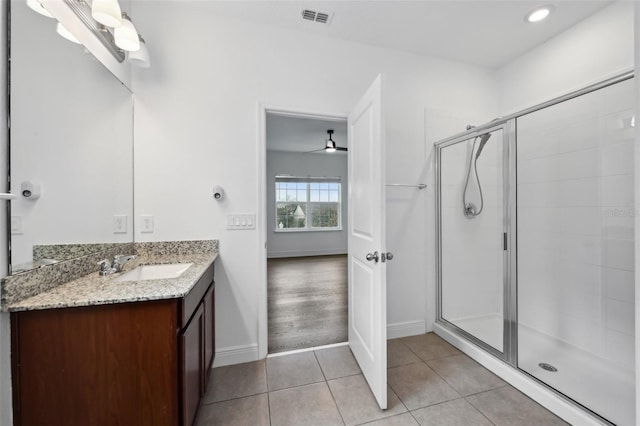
(329, 387)
(442, 378)
(452, 387)
(369, 422)
(414, 417)
(487, 390)
(399, 399)
(333, 398)
(266, 375)
(269, 407)
(234, 398)
(478, 409)
(266, 381)
(297, 386)
(315, 355)
(419, 357)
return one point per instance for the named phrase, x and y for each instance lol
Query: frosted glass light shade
(60, 29)
(126, 36)
(36, 6)
(140, 58)
(107, 12)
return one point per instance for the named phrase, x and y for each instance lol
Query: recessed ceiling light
(539, 13)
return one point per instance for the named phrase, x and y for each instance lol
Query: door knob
(372, 256)
(387, 256)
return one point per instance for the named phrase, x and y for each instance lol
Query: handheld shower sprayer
(470, 209)
(483, 141)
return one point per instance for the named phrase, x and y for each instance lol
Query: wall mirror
(71, 147)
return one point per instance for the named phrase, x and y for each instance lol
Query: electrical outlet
(146, 223)
(120, 224)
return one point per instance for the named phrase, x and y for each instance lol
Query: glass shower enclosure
(535, 233)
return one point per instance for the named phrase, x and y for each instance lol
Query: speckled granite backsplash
(162, 248)
(29, 283)
(62, 252)
(26, 284)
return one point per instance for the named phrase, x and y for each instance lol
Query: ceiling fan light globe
(330, 149)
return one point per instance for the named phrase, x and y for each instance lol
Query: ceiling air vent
(312, 15)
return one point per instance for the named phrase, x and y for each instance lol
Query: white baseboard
(236, 355)
(404, 329)
(247, 353)
(543, 396)
(303, 253)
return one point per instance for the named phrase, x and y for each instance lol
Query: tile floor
(430, 383)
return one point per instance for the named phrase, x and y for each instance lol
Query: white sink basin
(154, 272)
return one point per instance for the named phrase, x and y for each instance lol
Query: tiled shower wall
(575, 222)
(471, 248)
(472, 253)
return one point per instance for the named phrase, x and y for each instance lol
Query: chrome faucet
(108, 268)
(120, 259)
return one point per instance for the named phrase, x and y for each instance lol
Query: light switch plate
(241, 221)
(120, 224)
(146, 223)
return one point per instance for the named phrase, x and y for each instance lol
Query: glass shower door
(472, 226)
(576, 249)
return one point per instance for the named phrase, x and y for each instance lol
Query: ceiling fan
(330, 144)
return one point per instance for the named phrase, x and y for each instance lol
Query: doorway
(306, 204)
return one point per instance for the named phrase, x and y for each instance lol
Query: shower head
(483, 141)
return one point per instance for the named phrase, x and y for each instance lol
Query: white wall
(196, 126)
(307, 243)
(596, 48)
(75, 140)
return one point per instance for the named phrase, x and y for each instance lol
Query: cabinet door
(102, 365)
(209, 330)
(192, 366)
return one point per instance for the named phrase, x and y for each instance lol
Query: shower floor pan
(593, 382)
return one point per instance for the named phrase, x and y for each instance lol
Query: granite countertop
(94, 289)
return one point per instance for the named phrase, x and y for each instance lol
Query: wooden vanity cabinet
(142, 363)
(193, 376)
(209, 331)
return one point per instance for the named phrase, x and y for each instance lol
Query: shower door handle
(372, 256)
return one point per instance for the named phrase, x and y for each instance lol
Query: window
(308, 204)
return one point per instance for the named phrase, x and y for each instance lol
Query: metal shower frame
(508, 125)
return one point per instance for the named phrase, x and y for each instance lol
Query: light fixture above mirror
(140, 57)
(107, 12)
(126, 37)
(112, 27)
(60, 29)
(37, 7)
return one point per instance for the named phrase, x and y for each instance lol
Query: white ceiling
(485, 33)
(297, 134)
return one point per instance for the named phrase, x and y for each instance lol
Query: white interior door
(367, 267)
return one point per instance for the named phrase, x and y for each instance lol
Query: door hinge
(504, 241)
